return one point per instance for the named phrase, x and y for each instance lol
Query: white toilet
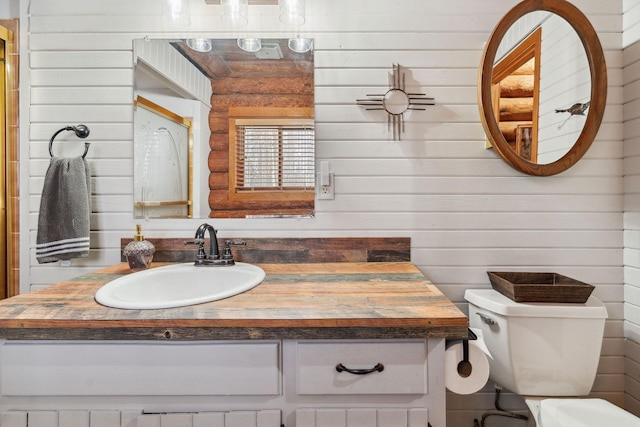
(548, 354)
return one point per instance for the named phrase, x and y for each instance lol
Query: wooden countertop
(295, 301)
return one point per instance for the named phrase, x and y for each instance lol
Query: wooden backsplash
(293, 250)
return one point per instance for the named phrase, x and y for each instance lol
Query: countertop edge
(226, 333)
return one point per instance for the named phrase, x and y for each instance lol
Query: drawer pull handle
(378, 368)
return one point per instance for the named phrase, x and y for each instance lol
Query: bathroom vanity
(317, 344)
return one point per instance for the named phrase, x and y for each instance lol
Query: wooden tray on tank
(540, 287)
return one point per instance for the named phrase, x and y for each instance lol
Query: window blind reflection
(275, 157)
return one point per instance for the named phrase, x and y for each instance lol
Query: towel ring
(81, 131)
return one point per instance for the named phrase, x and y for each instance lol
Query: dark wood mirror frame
(598, 70)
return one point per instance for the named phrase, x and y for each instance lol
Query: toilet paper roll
(479, 369)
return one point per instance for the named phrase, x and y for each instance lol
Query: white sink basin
(178, 285)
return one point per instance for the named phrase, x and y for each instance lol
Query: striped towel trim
(62, 246)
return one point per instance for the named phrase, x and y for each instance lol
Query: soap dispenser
(139, 253)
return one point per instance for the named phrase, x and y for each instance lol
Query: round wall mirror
(542, 86)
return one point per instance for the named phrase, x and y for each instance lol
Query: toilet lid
(584, 413)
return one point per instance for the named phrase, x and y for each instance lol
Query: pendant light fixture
(235, 12)
(301, 45)
(199, 44)
(176, 13)
(250, 44)
(292, 12)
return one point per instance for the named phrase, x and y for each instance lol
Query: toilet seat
(570, 412)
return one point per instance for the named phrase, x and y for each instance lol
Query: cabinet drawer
(139, 369)
(404, 367)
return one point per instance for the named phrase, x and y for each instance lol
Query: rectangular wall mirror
(222, 132)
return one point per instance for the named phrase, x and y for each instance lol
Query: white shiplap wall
(631, 73)
(465, 210)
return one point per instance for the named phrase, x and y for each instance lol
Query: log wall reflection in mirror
(261, 104)
(542, 86)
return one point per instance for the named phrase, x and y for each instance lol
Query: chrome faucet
(213, 258)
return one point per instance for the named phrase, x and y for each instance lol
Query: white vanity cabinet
(264, 358)
(296, 379)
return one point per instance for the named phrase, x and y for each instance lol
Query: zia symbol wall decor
(396, 101)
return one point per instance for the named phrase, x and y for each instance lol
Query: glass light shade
(250, 45)
(292, 12)
(235, 12)
(176, 12)
(199, 45)
(301, 45)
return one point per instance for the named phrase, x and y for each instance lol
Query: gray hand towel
(65, 210)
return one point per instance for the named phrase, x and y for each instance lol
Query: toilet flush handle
(486, 319)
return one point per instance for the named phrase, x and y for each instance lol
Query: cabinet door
(261, 418)
(139, 369)
(404, 367)
(129, 418)
(362, 417)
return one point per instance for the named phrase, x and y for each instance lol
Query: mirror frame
(598, 70)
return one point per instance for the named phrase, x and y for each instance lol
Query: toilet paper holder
(466, 373)
(471, 336)
(464, 366)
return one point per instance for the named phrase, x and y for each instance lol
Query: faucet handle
(200, 242)
(227, 248)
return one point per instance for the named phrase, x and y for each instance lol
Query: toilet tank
(539, 349)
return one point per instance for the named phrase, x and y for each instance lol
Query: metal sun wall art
(396, 101)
